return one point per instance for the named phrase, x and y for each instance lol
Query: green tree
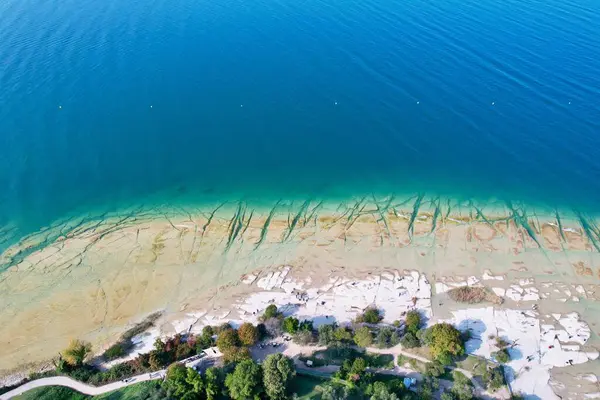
(244, 382)
(248, 334)
(434, 369)
(326, 334)
(494, 378)
(213, 383)
(227, 339)
(343, 334)
(332, 391)
(363, 337)
(194, 379)
(370, 316)
(76, 353)
(428, 388)
(176, 379)
(387, 337)
(462, 389)
(290, 325)
(271, 312)
(448, 396)
(208, 330)
(159, 345)
(306, 325)
(502, 356)
(203, 342)
(278, 372)
(409, 341)
(446, 338)
(380, 391)
(413, 321)
(236, 354)
(358, 368)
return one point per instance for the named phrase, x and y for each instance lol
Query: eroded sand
(101, 276)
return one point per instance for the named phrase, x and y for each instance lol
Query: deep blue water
(104, 103)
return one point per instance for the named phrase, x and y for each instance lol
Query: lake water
(106, 104)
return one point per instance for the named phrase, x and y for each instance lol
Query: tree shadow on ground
(476, 329)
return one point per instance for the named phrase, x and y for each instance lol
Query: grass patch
(142, 390)
(474, 295)
(52, 393)
(475, 365)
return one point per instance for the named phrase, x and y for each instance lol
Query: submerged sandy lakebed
(92, 279)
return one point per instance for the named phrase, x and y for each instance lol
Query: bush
(278, 372)
(203, 342)
(502, 356)
(290, 325)
(306, 325)
(227, 339)
(113, 352)
(445, 358)
(77, 352)
(409, 341)
(363, 337)
(248, 334)
(370, 316)
(473, 295)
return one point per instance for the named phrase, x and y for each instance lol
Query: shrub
(113, 352)
(502, 356)
(370, 316)
(248, 334)
(77, 352)
(413, 321)
(290, 325)
(363, 337)
(445, 358)
(473, 295)
(203, 342)
(227, 339)
(208, 330)
(409, 341)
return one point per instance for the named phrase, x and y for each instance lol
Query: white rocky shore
(539, 342)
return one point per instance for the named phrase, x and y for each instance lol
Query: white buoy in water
(60, 107)
(493, 102)
(418, 102)
(335, 103)
(151, 106)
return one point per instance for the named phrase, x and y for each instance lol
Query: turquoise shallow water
(110, 104)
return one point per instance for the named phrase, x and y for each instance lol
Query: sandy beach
(99, 277)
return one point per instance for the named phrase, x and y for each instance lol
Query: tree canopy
(363, 337)
(245, 381)
(227, 339)
(248, 334)
(278, 371)
(445, 338)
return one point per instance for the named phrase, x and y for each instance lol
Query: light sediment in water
(91, 279)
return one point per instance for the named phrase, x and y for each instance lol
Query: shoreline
(559, 334)
(111, 273)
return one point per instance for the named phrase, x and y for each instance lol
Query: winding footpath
(82, 387)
